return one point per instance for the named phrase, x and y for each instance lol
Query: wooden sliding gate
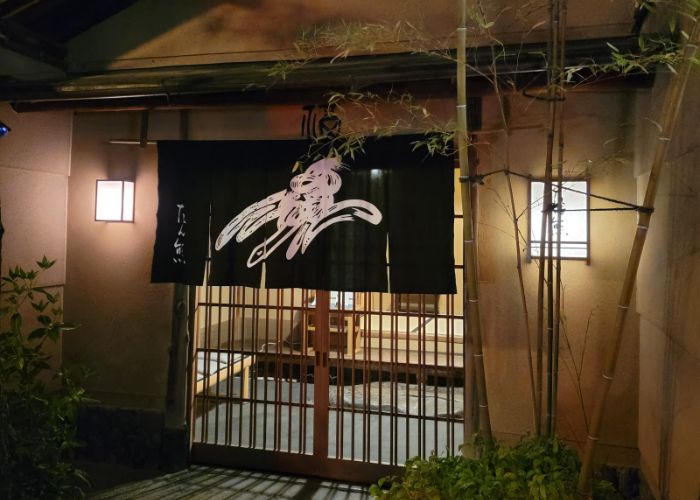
(333, 384)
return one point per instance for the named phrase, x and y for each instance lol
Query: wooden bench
(221, 366)
(289, 363)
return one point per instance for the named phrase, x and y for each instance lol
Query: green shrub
(37, 425)
(535, 468)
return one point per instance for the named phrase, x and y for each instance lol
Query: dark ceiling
(40, 28)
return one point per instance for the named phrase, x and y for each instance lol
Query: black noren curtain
(348, 255)
(329, 227)
(247, 174)
(420, 214)
(184, 194)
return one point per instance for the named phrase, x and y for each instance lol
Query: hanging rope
(621, 209)
(479, 179)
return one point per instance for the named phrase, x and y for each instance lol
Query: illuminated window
(574, 219)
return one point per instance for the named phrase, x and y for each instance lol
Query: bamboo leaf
(45, 263)
(53, 333)
(16, 323)
(37, 334)
(40, 306)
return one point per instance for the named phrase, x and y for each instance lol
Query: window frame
(587, 180)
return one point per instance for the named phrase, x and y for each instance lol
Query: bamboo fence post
(471, 288)
(667, 123)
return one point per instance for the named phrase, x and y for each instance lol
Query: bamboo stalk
(523, 298)
(554, 352)
(560, 200)
(545, 226)
(550, 320)
(555, 33)
(516, 229)
(667, 123)
(471, 283)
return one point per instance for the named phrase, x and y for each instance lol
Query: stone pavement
(209, 483)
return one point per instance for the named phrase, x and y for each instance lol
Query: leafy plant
(342, 39)
(535, 468)
(37, 424)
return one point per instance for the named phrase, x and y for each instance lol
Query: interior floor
(395, 426)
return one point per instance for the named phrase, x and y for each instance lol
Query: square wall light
(114, 201)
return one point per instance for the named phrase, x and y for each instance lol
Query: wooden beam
(433, 89)
(423, 75)
(247, 79)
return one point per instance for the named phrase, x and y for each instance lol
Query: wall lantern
(114, 201)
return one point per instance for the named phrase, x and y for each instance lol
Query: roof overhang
(229, 84)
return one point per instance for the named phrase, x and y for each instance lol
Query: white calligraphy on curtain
(302, 211)
(179, 244)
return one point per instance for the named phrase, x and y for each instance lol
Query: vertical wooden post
(667, 123)
(178, 390)
(321, 342)
(191, 375)
(175, 411)
(471, 289)
(190, 339)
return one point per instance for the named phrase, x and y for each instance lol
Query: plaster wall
(597, 146)
(160, 32)
(34, 169)
(127, 320)
(668, 296)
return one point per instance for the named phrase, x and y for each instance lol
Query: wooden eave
(229, 84)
